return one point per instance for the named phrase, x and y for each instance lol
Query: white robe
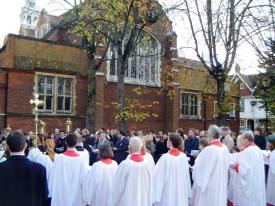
(99, 183)
(2, 159)
(85, 155)
(231, 195)
(132, 184)
(68, 177)
(210, 176)
(271, 180)
(46, 161)
(34, 154)
(250, 183)
(171, 181)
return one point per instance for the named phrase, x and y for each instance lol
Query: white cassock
(85, 156)
(68, 177)
(2, 159)
(250, 183)
(132, 183)
(99, 182)
(149, 159)
(210, 176)
(171, 180)
(231, 195)
(46, 161)
(34, 154)
(271, 180)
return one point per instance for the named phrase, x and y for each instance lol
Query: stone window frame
(137, 81)
(242, 105)
(54, 110)
(198, 116)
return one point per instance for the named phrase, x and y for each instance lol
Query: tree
(266, 81)
(120, 25)
(217, 29)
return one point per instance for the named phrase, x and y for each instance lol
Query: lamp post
(36, 102)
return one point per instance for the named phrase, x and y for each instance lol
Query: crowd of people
(116, 168)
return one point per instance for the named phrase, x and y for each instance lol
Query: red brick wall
(3, 85)
(20, 110)
(245, 91)
(152, 94)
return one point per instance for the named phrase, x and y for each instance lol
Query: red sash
(174, 152)
(137, 157)
(216, 142)
(107, 161)
(71, 153)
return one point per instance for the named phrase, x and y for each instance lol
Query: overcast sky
(10, 23)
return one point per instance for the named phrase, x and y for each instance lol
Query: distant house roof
(248, 80)
(190, 63)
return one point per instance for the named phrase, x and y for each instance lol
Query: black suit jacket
(22, 183)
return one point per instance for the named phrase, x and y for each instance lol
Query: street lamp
(36, 102)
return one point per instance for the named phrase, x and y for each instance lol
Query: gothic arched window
(29, 20)
(143, 64)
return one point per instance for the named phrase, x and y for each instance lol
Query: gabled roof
(248, 80)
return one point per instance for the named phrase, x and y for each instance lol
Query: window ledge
(190, 118)
(135, 82)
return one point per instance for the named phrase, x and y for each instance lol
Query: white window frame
(55, 92)
(242, 85)
(242, 123)
(198, 116)
(137, 81)
(215, 107)
(242, 105)
(232, 112)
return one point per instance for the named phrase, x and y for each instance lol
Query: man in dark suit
(22, 182)
(121, 149)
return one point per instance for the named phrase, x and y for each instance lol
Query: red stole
(71, 153)
(107, 161)
(174, 152)
(249, 145)
(137, 157)
(216, 142)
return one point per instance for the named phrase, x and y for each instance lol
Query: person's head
(71, 140)
(121, 134)
(140, 133)
(56, 131)
(246, 138)
(135, 145)
(213, 132)
(50, 146)
(62, 133)
(174, 141)
(203, 143)
(103, 136)
(224, 131)
(31, 134)
(197, 132)
(16, 142)
(180, 131)
(191, 132)
(105, 151)
(160, 134)
(258, 131)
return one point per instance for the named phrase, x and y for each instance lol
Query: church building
(40, 60)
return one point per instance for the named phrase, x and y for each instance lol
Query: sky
(10, 23)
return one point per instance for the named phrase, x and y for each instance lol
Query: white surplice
(99, 183)
(231, 195)
(132, 184)
(210, 176)
(250, 183)
(68, 177)
(171, 180)
(271, 180)
(85, 155)
(46, 161)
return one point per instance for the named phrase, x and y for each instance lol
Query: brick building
(58, 73)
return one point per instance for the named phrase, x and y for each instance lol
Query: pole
(266, 119)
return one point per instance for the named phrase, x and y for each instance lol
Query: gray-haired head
(105, 151)
(135, 144)
(214, 131)
(225, 130)
(248, 135)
